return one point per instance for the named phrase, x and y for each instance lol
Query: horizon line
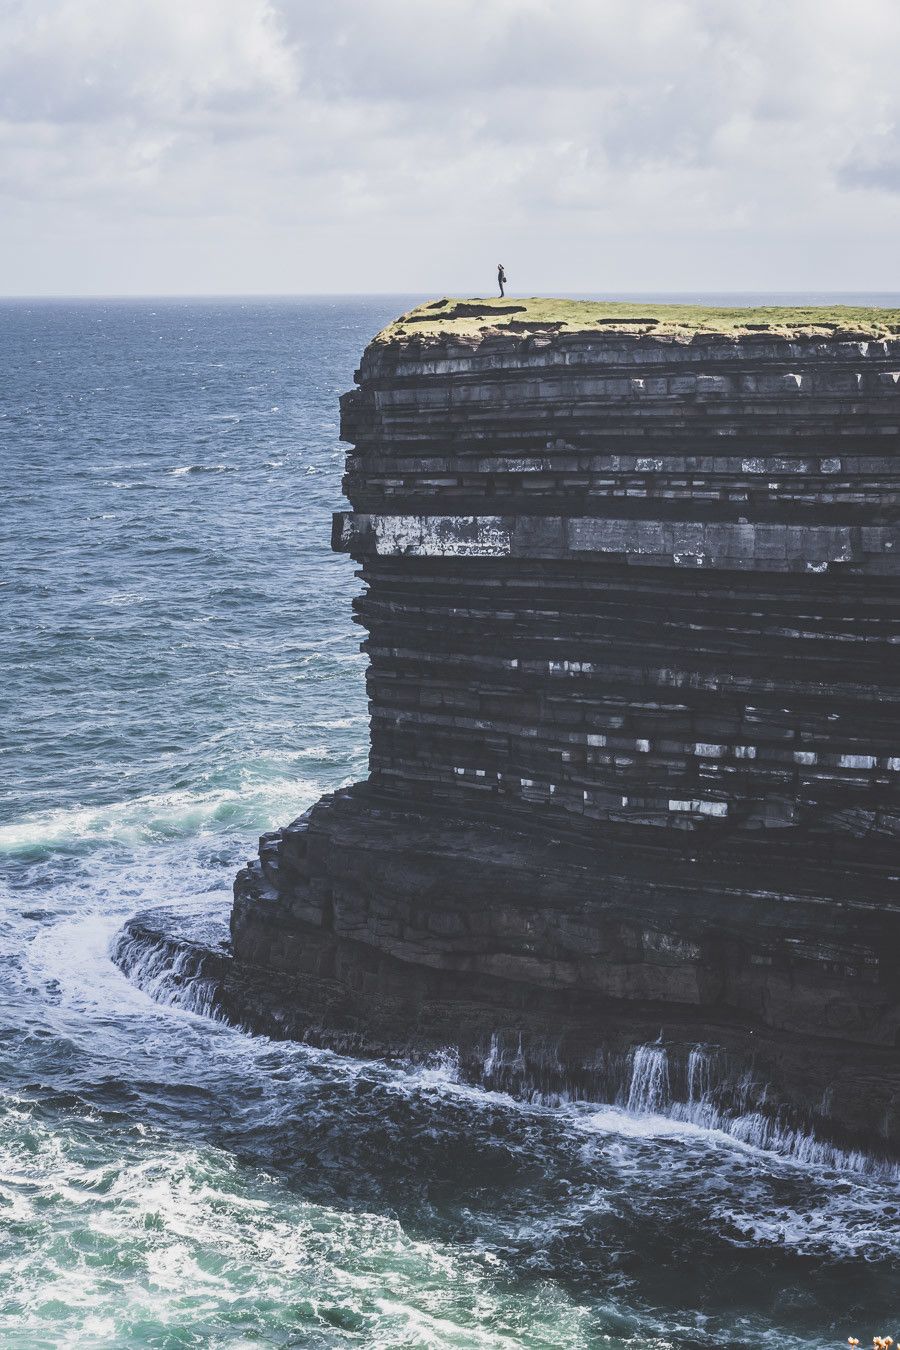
(375, 295)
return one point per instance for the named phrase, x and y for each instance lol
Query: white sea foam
(200, 468)
(154, 816)
(73, 957)
(179, 1233)
(176, 1236)
(118, 1023)
(850, 1212)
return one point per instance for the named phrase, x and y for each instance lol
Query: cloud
(879, 176)
(380, 144)
(89, 62)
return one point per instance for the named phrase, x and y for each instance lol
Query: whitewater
(179, 672)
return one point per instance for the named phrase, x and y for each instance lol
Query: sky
(322, 146)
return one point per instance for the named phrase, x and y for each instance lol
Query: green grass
(469, 318)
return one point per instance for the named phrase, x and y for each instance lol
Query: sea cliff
(630, 608)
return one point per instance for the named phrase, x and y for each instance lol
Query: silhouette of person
(501, 279)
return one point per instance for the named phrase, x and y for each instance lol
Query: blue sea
(178, 672)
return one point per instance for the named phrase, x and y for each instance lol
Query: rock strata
(631, 615)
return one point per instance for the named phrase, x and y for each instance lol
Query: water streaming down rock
(649, 1089)
(170, 972)
(184, 962)
(630, 606)
(699, 1085)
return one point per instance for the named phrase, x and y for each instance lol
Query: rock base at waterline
(807, 1097)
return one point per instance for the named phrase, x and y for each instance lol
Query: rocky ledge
(631, 615)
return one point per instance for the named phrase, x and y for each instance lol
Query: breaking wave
(160, 816)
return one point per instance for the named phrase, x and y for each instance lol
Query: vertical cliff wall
(631, 614)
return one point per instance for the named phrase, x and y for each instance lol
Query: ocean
(178, 672)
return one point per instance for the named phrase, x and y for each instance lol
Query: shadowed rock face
(630, 606)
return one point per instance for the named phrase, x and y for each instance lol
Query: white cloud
(182, 145)
(89, 61)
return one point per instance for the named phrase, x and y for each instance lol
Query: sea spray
(702, 1086)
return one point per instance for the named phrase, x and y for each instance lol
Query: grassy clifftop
(469, 318)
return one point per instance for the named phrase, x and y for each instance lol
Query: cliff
(631, 611)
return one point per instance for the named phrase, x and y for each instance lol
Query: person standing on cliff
(501, 279)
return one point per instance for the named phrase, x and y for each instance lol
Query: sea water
(178, 672)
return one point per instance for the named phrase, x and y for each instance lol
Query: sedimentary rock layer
(631, 615)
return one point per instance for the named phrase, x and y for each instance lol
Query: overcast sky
(290, 146)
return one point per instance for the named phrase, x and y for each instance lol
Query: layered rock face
(631, 614)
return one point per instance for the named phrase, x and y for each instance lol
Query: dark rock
(631, 614)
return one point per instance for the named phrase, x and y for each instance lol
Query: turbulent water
(178, 671)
